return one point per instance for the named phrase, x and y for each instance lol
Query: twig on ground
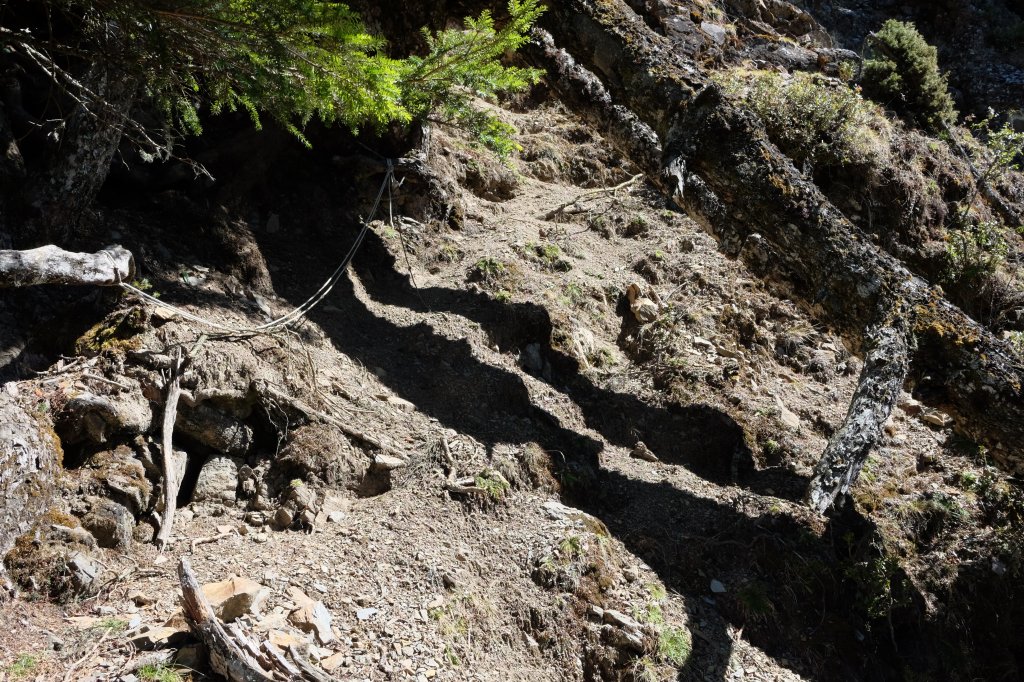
(591, 195)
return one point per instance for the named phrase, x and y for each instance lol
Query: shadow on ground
(688, 539)
(786, 591)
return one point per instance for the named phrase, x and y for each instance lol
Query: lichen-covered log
(719, 165)
(886, 363)
(30, 457)
(52, 265)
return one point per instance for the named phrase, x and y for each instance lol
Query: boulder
(235, 597)
(95, 417)
(310, 616)
(110, 523)
(218, 480)
(30, 456)
(215, 429)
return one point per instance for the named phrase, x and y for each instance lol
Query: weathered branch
(226, 657)
(575, 205)
(174, 469)
(53, 265)
(886, 364)
(719, 165)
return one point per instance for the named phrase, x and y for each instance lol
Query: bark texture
(68, 183)
(886, 363)
(30, 458)
(720, 167)
(226, 657)
(174, 466)
(53, 265)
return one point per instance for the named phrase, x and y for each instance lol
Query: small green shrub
(901, 72)
(548, 255)
(975, 251)
(487, 270)
(159, 673)
(816, 121)
(23, 666)
(755, 603)
(493, 484)
(674, 645)
(637, 226)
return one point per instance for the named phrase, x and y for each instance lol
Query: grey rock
(613, 617)
(218, 480)
(621, 639)
(388, 463)
(211, 427)
(95, 417)
(717, 33)
(717, 587)
(110, 523)
(28, 467)
(85, 571)
(302, 497)
(641, 451)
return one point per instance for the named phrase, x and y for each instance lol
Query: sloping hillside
(545, 426)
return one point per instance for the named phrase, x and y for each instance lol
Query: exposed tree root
(886, 364)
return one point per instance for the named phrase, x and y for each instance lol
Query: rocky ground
(541, 429)
(572, 445)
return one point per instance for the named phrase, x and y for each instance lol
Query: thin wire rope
(308, 304)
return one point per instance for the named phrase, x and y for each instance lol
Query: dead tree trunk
(174, 467)
(52, 265)
(719, 166)
(226, 657)
(886, 363)
(67, 183)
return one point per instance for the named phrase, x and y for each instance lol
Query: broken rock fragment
(235, 597)
(311, 616)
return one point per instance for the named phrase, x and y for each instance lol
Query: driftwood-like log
(720, 167)
(886, 364)
(226, 657)
(52, 265)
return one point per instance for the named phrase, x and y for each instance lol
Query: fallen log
(886, 364)
(718, 165)
(226, 657)
(53, 265)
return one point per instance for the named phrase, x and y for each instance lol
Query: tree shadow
(687, 539)
(784, 580)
